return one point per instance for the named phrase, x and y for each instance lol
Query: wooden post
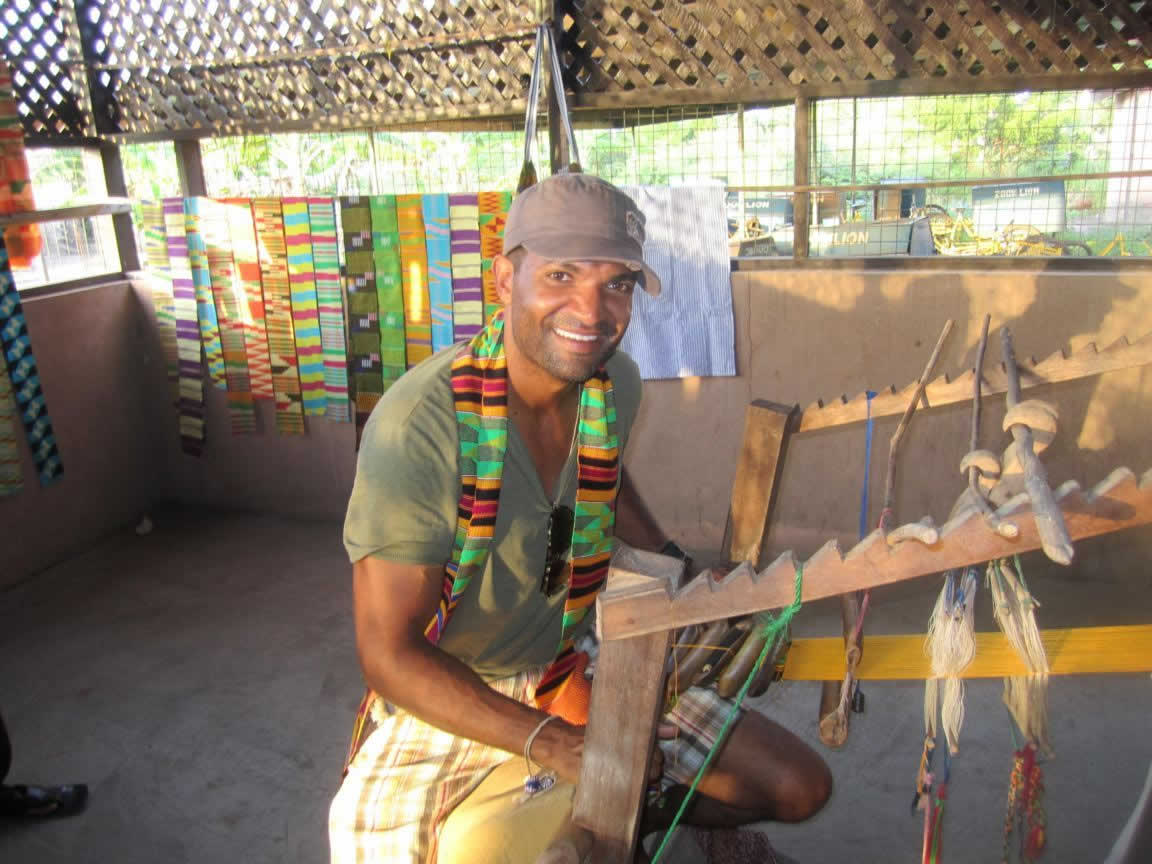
(766, 426)
(800, 199)
(627, 697)
(121, 222)
(191, 168)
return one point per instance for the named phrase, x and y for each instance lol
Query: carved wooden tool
(1054, 537)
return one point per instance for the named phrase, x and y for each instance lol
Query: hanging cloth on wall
(493, 213)
(227, 294)
(330, 304)
(363, 308)
(11, 477)
(205, 307)
(273, 255)
(188, 347)
(414, 276)
(242, 231)
(467, 284)
(160, 280)
(305, 312)
(438, 241)
(24, 242)
(389, 287)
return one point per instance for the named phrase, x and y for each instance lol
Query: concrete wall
(91, 347)
(801, 334)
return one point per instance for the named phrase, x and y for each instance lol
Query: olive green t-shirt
(403, 509)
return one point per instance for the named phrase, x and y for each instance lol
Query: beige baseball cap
(578, 217)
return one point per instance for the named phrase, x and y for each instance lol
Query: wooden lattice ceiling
(157, 67)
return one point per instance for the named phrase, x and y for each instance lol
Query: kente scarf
(480, 393)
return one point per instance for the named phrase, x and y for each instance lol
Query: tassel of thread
(527, 177)
(1025, 820)
(951, 646)
(1014, 610)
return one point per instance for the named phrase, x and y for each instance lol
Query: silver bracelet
(532, 739)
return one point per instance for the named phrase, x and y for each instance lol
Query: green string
(773, 630)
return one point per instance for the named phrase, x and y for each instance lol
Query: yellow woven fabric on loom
(1076, 651)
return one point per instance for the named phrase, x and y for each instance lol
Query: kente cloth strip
(467, 284)
(25, 242)
(11, 477)
(438, 241)
(205, 306)
(16, 347)
(242, 231)
(305, 312)
(414, 274)
(493, 212)
(160, 280)
(273, 256)
(330, 304)
(389, 287)
(364, 368)
(191, 401)
(228, 295)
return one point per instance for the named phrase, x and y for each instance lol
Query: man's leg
(22, 802)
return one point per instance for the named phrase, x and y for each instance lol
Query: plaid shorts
(408, 776)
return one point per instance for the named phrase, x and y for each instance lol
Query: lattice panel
(234, 65)
(40, 41)
(658, 45)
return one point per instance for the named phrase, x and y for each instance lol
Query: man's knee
(803, 791)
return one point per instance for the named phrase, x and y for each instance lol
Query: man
(480, 527)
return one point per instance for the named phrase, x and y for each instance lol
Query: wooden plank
(1073, 651)
(108, 207)
(950, 264)
(121, 222)
(766, 427)
(941, 184)
(190, 166)
(1119, 501)
(800, 198)
(1055, 368)
(627, 696)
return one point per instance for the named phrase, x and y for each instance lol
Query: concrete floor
(202, 680)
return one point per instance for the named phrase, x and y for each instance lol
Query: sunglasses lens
(559, 539)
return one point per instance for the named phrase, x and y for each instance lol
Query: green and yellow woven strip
(330, 303)
(202, 282)
(493, 210)
(389, 287)
(414, 275)
(160, 280)
(188, 337)
(228, 295)
(305, 314)
(278, 311)
(11, 477)
(364, 369)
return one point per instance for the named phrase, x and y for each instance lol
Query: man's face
(566, 317)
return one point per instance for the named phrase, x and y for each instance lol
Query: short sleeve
(404, 498)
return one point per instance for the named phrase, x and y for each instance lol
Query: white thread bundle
(1015, 610)
(951, 646)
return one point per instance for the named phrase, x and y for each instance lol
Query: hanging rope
(774, 629)
(528, 170)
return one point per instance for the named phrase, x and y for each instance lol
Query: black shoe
(42, 802)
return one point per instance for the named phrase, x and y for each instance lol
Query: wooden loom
(639, 610)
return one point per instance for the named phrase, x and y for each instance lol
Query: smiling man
(486, 501)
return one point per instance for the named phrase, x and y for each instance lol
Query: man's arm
(635, 524)
(393, 604)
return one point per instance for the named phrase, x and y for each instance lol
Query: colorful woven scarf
(480, 392)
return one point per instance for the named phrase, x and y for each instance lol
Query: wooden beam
(111, 206)
(1073, 651)
(627, 696)
(766, 427)
(949, 263)
(942, 184)
(1057, 367)
(121, 222)
(1119, 501)
(191, 168)
(800, 198)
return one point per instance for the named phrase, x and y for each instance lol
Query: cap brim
(576, 247)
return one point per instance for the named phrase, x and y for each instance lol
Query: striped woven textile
(16, 348)
(273, 256)
(11, 477)
(305, 313)
(205, 307)
(493, 213)
(228, 295)
(414, 276)
(467, 284)
(389, 287)
(330, 303)
(242, 230)
(438, 242)
(188, 348)
(160, 280)
(363, 315)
